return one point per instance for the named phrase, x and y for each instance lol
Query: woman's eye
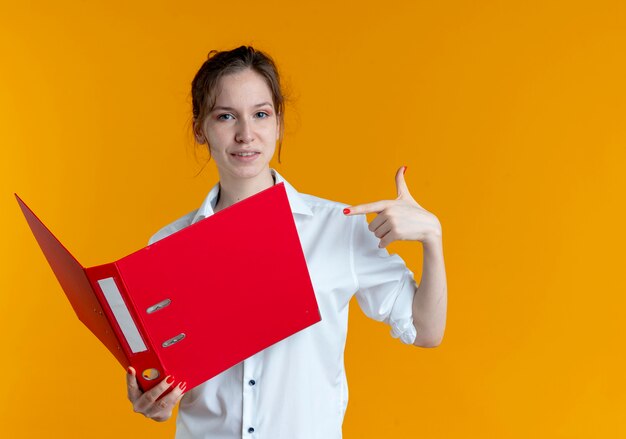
(226, 116)
(261, 114)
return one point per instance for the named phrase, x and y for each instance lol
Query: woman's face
(242, 129)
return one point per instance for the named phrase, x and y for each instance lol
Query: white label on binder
(122, 315)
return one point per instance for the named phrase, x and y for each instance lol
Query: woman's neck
(234, 190)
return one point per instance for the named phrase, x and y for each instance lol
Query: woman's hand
(148, 403)
(400, 219)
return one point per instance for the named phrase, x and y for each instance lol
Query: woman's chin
(249, 170)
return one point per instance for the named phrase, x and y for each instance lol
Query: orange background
(509, 116)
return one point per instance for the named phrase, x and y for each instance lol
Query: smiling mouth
(245, 154)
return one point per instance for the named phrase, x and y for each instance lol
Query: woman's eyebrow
(221, 107)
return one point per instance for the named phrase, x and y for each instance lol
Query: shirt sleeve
(385, 285)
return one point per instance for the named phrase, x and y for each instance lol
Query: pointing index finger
(360, 209)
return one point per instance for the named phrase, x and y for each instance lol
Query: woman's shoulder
(315, 202)
(329, 210)
(173, 227)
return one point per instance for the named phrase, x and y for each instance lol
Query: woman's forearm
(431, 297)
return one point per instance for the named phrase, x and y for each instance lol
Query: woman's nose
(244, 133)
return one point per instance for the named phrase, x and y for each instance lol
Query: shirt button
(250, 430)
(252, 382)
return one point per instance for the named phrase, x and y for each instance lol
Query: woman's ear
(198, 134)
(278, 127)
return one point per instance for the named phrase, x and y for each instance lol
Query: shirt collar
(297, 203)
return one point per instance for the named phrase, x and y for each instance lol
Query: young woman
(297, 388)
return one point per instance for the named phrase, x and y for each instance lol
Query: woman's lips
(247, 157)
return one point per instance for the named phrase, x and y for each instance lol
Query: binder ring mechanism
(158, 306)
(152, 373)
(173, 340)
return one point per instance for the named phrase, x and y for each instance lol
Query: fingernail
(346, 211)
(404, 172)
(129, 370)
(169, 379)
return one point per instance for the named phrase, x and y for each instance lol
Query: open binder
(200, 300)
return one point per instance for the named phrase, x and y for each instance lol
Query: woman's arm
(431, 297)
(404, 219)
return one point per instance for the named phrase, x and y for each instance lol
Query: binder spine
(123, 318)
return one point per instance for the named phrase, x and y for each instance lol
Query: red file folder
(199, 301)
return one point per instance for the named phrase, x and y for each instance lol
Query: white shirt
(297, 388)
